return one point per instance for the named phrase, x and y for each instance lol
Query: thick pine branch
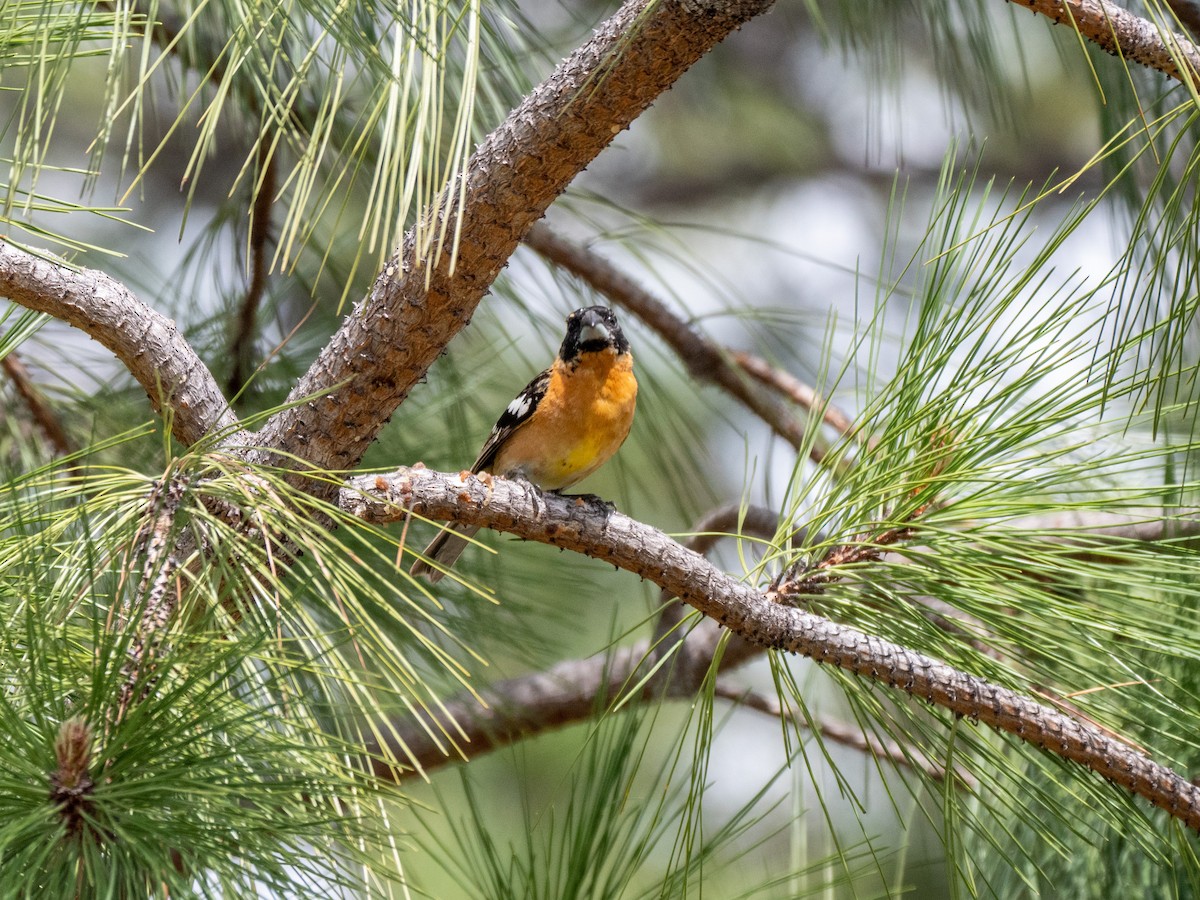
(148, 343)
(519, 509)
(414, 308)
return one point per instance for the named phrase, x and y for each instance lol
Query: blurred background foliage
(800, 194)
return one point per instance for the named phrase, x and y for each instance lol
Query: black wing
(516, 415)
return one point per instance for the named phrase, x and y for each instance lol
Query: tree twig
(1093, 526)
(843, 733)
(604, 534)
(570, 692)
(155, 599)
(503, 713)
(260, 233)
(795, 389)
(42, 414)
(1116, 30)
(178, 384)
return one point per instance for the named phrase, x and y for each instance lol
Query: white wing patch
(520, 406)
(514, 415)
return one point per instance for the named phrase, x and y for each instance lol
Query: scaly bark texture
(415, 308)
(1116, 30)
(147, 342)
(519, 509)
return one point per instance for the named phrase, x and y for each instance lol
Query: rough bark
(415, 308)
(148, 343)
(1116, 30)
(599, 532)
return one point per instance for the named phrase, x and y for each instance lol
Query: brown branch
(1090, 527)
(1117, 31)
(812, 577)
(568, 523)
(792, 387)
(260, 234)
(415, 306)
(504, 713)
(148, 343)
(704, 359)
(156, 597)
(42, 414)
(574, 690)
(1188, 14)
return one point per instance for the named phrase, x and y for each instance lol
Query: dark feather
(514, 416)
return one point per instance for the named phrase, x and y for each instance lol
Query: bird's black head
(589, 330)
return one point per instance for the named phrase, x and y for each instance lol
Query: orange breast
(580, 423)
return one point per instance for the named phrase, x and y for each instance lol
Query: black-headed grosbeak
(564, 426)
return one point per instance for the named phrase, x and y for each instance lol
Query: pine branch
(1117, 31)
(178, 384)
(416, 305)
(156, 597)
(575, 690)
(260, 234)
(519, 509)
(569, 692)
(844, 734)
(42, 414)
(796, 390)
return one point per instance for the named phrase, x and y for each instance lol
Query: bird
(565, 424)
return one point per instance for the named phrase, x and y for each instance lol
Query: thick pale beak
(593, 328)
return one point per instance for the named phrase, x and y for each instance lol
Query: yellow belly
(581, 422)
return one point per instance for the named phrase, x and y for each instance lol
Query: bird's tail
(443, 550)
